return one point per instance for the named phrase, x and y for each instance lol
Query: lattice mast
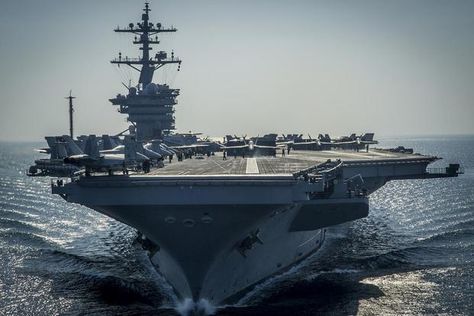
(144, 30)
(149, 106)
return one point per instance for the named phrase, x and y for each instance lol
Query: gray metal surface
(294, 162)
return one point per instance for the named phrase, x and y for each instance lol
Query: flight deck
(288, 164)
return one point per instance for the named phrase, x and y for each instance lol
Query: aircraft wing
(265, 147)
(344, 143)
(285, 142)
(309, 143)
(82, 159)
(44, 150)
(236, 147)
(120, 149)
(369, 142)
(184, 147)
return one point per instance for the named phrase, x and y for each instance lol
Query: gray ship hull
(213, 236)
(217, 250)
(203, 261)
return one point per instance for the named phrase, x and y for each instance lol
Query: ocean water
(414, 253)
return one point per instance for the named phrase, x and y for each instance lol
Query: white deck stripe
(252, 166)
(359, 155)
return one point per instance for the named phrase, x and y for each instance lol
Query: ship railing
(443, 170)
(435, 170)
(333, 170)
(453, 170)
(357, 193)
(57, 183)
(355, 186)
(328, 169)
(61, 181)
(326, 173)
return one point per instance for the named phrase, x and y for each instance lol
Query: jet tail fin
(368, 137)
(57, 147)
(52, 145)
(108, 142)
(92, 148)
(62, 152)
(71, 146)
(130, 148)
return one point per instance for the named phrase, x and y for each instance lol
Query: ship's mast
(71, 111)
(144, 31)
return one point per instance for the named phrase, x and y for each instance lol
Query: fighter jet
(159, 147)
(120, 149)
(58, 149)
(92, 160)
(240, 146)
(354, 142)
(235, 141)
(190, 142)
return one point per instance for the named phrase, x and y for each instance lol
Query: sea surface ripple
(414, 253)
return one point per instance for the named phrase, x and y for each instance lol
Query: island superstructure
(149, 106)
(224, 217)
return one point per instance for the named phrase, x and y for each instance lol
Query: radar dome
(151, 88)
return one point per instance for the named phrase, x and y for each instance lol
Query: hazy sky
(391, 67)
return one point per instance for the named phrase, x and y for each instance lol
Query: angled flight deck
(288, 164)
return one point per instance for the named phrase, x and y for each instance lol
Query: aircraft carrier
(218, 218)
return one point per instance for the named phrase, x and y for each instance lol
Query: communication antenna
(71, 111)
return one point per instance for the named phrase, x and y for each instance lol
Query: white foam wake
(190, 308)
(334, 271)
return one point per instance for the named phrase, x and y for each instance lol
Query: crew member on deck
(146, 166)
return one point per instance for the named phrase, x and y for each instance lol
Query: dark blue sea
(413, 255)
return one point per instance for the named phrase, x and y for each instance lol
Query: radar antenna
(143, 31)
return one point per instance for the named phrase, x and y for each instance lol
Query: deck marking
(252, 166)
(220, 166)
(342, 154)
